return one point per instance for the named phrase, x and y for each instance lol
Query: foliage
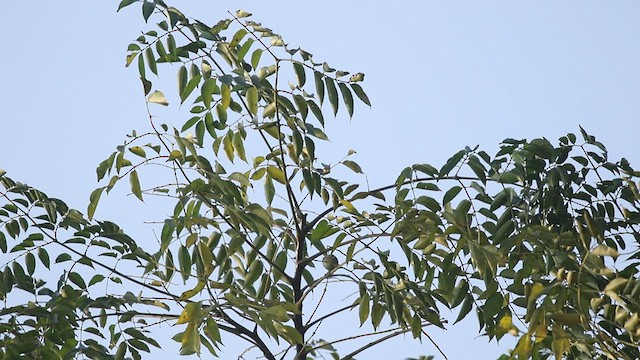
(534, 239)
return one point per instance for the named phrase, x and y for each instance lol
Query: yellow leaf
(505, 324)
(348, 205)
(190, 340)
(536, 290)
(540, 332)
(193, 292)
(523, 348)
(560, 342)
(615, 284)
(192, 311)
(566, 319)
(602, 250)
(289, 333)
(226, 96)
(252, 100)
(157, 97)
(276, 174)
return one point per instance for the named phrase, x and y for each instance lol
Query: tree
(531, 238)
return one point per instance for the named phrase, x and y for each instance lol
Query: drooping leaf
(300, 73)
(360, 94)
(151, 61)
(191, 85)
(252, 100)
(319, 86)
(135, 184)
(353, 166)
(347, 98)
(332, 93)
(147, 9)
(182, 80)
(94, 198)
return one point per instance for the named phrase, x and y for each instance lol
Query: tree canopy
(268, 242)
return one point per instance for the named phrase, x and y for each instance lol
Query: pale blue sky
(441, 76)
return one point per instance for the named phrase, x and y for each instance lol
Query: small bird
(330, 262)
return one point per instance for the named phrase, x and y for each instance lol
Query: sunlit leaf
(94, 198)
(157, 97)
(252, 100)
(242, 14)
(352, 165)
(135, 184)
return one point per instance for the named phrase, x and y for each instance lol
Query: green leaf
(184, 94)
(244, 49)
(360, 94)
(255, 58)
(238, 145)
(96, 279)
(276, 174)
(319, 86)
(147, 9)
(135, 184)
(183, 78)
(77, 280)
(226, 96)
(353, 166)
(190, 340)
(184, 260)
(301, 103)
(269, 110)
(146, 85)
(151, 61)
(478, 168)
(289, 333)
(94, 198)
(451, 194)
(500, 199)
(125, 3)
(467, 305)
(315, 109)
(451, 163)
(171, 44)
(211, 330)
(138, 151)
(227, 144)
(208, 89)
(269, 189)
(222, 114)
(191, 293)
(62, 258)
(363, 311)
(121, 352)
(347, 98)
(30, 262)
(300, 74)
(252, 100)
(157, 97)
(130, 57)
(332, 92)
(43, 255)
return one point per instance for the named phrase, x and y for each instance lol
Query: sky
(440, 75)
